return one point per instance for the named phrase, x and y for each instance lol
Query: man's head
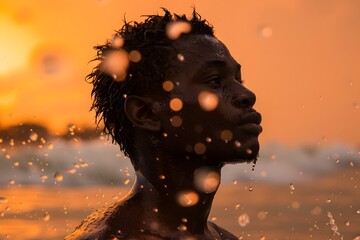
(184, 90)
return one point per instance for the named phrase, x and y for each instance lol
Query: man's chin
(246, 153)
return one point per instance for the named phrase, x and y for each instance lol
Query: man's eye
(214, 80)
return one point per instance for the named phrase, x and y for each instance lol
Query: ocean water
(99, 162)
(302, 192)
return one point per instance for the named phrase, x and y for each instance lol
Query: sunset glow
(304, 70)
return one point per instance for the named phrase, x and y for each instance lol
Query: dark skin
(166, 201)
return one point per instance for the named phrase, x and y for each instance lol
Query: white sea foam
(100, 163)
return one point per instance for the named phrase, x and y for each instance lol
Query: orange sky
(301, 58)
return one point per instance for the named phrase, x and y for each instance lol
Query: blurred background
(301, 58)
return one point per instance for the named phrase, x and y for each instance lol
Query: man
(171, 95)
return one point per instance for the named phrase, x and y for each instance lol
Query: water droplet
(116, 64)
(165, 134)
(51, 146)
(358, 211)
(43, 178)
(237, 206)
(292, 188)
(7, 156)
(176, 104)
(243, 220)
(295, 205)
(355, 106)
(351, 164)
(180, 57)
(72, 170)
(187, 198)
(162, 177)
(176, 121)
(226, 135)
(117, 42)
(356, 237)
(250, 188)
(3, 200)
(237, 144)
(135, 56)
(235, 182)
(206, 179)
(182, 227)
(175, 29)
(46, 217)
(249, 151)
(208, 101)
(11, 182)
(328, 200)
(199, 148)
(33, 136)
(184, 220)
(347, 223)
(127, 181)
(168, 86)
(262, 215)
(58, 177)
(262, 238)
(155, 210)
(316, 211)
(337, 161)
(265, 32)
(208, 139)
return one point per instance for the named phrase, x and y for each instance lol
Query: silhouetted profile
(171, 95)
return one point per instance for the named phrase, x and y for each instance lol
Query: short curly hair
(142, 77)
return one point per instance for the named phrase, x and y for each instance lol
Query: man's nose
(244, 98)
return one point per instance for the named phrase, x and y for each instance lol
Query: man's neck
(173, 201)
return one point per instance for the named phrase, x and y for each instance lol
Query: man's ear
(139, 111)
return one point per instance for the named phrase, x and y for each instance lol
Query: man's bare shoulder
(113, 221)
(223, 234)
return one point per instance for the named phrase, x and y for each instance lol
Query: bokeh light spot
(187, 198)
(175, 29)
(176, 104)
(208, 101)
(206, 179)
(168, 86)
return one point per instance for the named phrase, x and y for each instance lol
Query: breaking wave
(70, 163)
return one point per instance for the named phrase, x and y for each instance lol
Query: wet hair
(143, 78)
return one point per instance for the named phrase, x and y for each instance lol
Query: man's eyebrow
(214, 63)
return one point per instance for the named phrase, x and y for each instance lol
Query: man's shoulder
(105, 223)
(223, 234)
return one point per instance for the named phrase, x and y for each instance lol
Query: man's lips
(251, 123)
(252, 117)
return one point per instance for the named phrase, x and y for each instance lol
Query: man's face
(216, 120)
